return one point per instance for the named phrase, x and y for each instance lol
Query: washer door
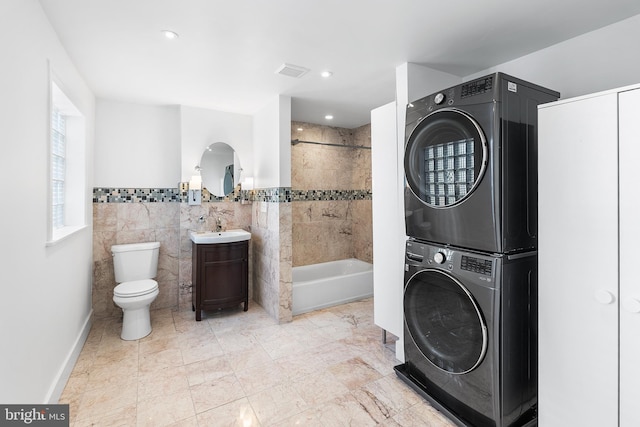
(445, 158)
(444, 321)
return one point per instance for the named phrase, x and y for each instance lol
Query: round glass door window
(445, 157)
(444, 322)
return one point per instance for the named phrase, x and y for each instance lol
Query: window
(58, 168)
(67, 183)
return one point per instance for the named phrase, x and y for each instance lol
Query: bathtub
(330, 283)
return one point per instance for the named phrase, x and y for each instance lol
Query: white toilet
(135, 265)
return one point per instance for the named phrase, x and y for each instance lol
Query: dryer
(471, 165)
(470, 333)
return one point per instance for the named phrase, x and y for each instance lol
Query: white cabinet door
(578, 263)
(388, 223)
(629, 258)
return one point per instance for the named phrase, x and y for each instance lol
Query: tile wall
(331, 189)
(271, 239)
(143, 215)
(324, 216)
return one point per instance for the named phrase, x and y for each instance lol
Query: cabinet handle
(631, 305)
(604, 297)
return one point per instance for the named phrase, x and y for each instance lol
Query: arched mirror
(220, 169)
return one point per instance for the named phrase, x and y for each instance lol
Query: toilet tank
(135, 261)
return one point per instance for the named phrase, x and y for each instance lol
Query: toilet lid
(135, 288)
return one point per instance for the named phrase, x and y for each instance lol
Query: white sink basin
(208, 237)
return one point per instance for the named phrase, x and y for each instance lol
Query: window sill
(64, 233)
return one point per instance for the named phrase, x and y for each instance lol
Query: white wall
(201, 127)
(136, 145)
(45, 292)
(603, 59)
(413, 81)
(272, 144)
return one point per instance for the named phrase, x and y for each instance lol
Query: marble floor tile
(211, 394)
(159, 344)
(163, 382)
(257, 378)
(208, 370)
(153, 362)
(319, 387)
(236, 368)
(126, 415)
(276, 404)
(354, 373)
(238, 413)
(102, 401)
(245, 359)
(346, 411)
(164, 410)
(422, 415)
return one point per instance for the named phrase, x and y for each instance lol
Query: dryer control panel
(476, 87)
(482, 266)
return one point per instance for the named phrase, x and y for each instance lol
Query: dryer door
(444, 321)
(445, 158)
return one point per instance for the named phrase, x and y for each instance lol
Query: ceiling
(227, 52)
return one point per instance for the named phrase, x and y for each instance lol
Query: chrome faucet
(218, 224)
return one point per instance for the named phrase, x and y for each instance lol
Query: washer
(470, 333)
(471, 165)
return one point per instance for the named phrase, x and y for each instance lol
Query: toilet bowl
(135, 266)
(135, 298)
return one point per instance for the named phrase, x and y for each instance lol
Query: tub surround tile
(333, 222)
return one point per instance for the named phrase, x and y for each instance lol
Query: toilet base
(136, 323)
(136, 319)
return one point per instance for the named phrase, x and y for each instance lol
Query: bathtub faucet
(218, 224)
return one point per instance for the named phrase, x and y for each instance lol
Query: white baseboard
(53, 396)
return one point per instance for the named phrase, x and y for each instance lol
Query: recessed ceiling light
(328, 117)
(171, 35)
(300, 129)
(326, 74)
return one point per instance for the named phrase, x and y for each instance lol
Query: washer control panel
(482, 266)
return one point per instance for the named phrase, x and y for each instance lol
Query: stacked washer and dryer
(470, 315)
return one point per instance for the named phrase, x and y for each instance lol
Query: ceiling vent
(292, 70)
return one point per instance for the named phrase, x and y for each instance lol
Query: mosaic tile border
(272, 195)
(236, 196)
(312, 195)
(136, 195)
(179, 195)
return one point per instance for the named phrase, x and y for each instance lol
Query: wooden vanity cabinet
(220, 276)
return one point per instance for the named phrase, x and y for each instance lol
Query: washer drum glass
(444, 321)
